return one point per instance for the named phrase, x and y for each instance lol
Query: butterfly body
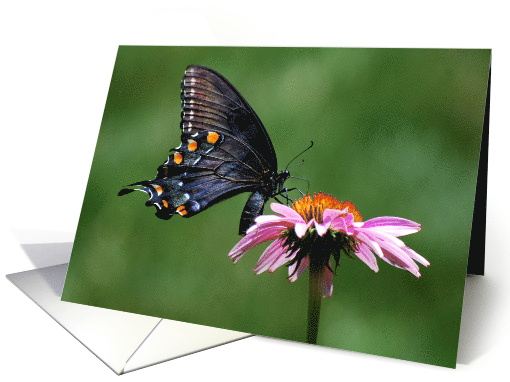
(224, 150)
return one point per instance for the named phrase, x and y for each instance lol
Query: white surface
(123, 341)
(172, 339)
(56, 65)
(111, 335)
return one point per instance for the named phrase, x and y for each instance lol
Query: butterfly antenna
(301, 153)
(295, 165)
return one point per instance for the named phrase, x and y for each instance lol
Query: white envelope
(123, 341)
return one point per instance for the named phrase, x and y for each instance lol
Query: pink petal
(343, 224)
(413, 255)
(393, 225)
(365, 254)
(285, 258)
(396, 261)
(241, 247)
(274, 252)
(273, 219)
(321, 228)
(397, 257)
(339, 224)
(327, 283)
(302, 266)
(393, 246)
(390, 220)
(253, 239)
(399, 243)
(393, 253)
(301, 228)
(384, 236)
(349, 219)
(258, 230)
(372, 244)
(286, 211)
(396, 231)
(330, 214)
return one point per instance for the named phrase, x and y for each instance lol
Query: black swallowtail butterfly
(225, 150)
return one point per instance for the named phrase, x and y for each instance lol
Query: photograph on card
(320, 195)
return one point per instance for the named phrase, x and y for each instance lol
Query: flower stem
(314, 300)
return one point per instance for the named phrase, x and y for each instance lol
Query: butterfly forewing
(224, 150)
(208, 95)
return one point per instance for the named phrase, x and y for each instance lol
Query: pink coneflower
(316, 231)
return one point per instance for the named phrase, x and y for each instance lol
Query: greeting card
(319, 195)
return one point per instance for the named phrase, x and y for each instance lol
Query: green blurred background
(396, 131)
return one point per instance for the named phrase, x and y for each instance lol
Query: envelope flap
(185, 339)
(113, 336)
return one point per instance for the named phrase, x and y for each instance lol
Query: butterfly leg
(287, 190)
(297, 189)
(279, 201)
(286, 196)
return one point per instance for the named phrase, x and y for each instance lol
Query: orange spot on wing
(212, 137)
(178, 158)
(192, 145)
(165, 203)
(181, 210)
(158, 189)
